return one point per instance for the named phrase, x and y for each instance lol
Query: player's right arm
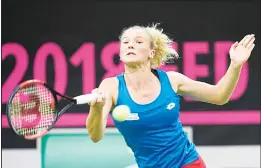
(101, 107)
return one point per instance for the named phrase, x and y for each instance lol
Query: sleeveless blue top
(153, 131)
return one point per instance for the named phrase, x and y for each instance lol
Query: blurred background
(73, 45)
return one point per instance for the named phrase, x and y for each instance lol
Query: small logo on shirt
(170, 106)
(133, 116)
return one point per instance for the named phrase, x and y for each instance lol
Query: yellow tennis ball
(121, 113)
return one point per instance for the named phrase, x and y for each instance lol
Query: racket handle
(84, 99)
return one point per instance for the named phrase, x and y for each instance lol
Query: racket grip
(84, 99)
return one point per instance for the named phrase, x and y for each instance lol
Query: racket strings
(32, 110)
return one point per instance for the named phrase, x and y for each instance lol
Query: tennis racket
(32, 108)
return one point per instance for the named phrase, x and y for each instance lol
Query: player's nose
(130, 45)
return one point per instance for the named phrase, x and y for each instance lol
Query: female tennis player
(153, 130)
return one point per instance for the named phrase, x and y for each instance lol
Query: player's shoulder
(174, 75)
(175, 79)
(110, 85)
(110, 81)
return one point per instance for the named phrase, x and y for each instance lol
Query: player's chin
(130, 60)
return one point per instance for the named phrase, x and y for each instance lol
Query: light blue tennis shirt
(153, 131)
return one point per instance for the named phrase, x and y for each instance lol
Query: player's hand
(240, 52)
(99, 99)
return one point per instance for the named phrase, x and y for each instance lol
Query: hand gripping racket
(32, 108)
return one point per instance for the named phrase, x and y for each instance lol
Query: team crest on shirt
(133, 116)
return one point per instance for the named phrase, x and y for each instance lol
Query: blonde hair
(160, 42)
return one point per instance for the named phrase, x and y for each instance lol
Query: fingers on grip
(100, 97)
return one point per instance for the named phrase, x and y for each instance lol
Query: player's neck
(138, 77)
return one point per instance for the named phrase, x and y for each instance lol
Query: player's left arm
(221, 92)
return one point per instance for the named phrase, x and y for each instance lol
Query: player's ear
(152, 53)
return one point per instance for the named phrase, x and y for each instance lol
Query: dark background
(70, 24)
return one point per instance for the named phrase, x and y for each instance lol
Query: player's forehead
(135, 32)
